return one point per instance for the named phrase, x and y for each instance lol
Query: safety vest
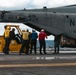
(25, 36)
(7, 33)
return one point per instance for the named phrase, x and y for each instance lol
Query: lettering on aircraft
(72, 22)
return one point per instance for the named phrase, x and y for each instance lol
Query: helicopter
(55, 21)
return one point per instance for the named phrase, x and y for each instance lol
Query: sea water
(50, 44)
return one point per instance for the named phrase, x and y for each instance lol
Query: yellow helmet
(8, 27)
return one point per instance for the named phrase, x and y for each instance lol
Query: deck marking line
(38, 65)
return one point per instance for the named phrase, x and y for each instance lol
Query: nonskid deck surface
(50, 64)
(38, 60)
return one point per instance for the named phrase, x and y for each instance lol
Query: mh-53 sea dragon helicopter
(55, 21)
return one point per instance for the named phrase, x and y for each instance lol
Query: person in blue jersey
(34, 37)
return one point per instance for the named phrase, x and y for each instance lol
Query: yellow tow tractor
(14, 46)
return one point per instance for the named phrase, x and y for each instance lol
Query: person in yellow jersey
(7, 39)
(25, 42)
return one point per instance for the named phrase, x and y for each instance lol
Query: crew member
(7, 39)
(56, 44)
(34, 37)
(25, 42)
(14, 36)
(42, 36)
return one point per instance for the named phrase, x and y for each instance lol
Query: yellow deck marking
(38, 65)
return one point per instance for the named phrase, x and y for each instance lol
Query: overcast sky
(19, 4)
(31, 4)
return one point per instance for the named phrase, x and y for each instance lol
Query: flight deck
(49, 64)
